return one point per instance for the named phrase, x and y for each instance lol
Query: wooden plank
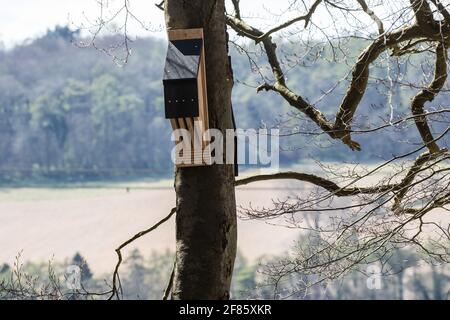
(181, 34)
(204, 106)
(204, 89)
(182, 125)
(191, 128)
(198, 129)
(202, 97)
(174, 124)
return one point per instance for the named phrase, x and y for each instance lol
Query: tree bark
(206, 207)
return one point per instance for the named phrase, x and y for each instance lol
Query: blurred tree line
(147, 277)
(70, 113)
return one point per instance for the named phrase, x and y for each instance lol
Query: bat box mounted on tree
(185, 98)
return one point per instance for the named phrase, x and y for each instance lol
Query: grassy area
(78, 190)
(51, 188)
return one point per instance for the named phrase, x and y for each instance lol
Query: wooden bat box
(185, 97)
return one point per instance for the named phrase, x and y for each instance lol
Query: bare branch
(360, 74)
(372, 15)
(116, 286)
(405, 184)
(424, 15)
(237, 10)
(160, 5)
(428, 94)
(170, 283)
(318, 181)
(306, 18)
(445, 13)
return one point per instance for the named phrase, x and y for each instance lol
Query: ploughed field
(54, 223)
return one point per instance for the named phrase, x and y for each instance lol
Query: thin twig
(170, 283)
(116, 279)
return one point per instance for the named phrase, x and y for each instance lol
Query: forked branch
(428, 94)
(426, 28)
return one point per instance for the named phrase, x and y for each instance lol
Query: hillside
(70, 113)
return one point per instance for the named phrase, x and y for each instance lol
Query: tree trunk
(206, 206)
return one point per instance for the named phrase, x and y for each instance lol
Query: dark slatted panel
(181, 99)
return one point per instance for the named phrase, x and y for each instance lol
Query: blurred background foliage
(146, 277)
(72, 114)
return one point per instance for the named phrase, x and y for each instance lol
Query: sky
(26, 19)
(21, 20)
